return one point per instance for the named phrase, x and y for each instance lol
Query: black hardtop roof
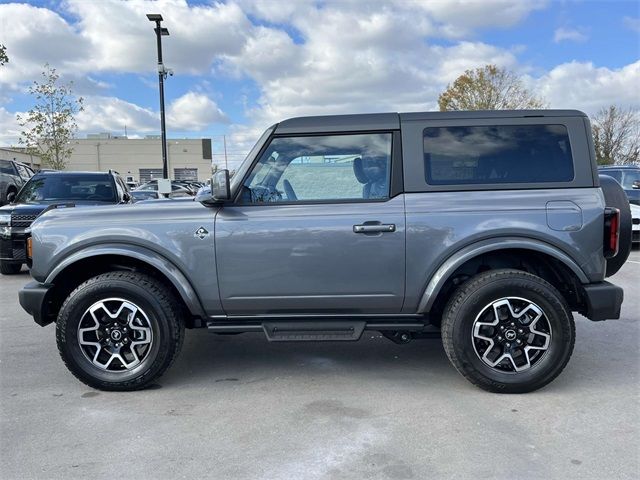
(391, 121)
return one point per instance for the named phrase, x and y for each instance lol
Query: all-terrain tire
(474, 297)
(158, 306)
(10, 268)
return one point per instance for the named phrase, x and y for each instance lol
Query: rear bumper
(603, 300)
(33, 300)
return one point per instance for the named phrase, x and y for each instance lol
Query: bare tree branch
(50, 125)
(616, 136)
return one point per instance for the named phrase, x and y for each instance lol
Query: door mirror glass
(220, 187)
(11, 197)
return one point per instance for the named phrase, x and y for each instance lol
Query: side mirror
(636, 185)
(220, 186)
(126, 197)
(11, 197)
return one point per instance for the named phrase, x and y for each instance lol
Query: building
(19, 155)
(188, 159)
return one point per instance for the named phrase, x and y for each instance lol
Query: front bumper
(13, 246)
(603, 300)
(33, 298)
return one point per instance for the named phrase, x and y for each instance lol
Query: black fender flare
(177, 278)
(442, 274)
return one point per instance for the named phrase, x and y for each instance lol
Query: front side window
(497, 154)
(317, 168)
(6, 167)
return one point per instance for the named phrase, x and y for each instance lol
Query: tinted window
(87, 187)
(330, 167)
(497, 154)
(6, 167)
(630, 178)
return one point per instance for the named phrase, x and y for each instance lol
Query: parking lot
(239, 407)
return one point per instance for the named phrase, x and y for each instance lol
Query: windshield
(92, 187)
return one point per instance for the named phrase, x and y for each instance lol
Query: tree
(50, 125)
(3, 55)
(488, 88)
(616, 136)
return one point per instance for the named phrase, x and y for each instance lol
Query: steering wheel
(288, 189)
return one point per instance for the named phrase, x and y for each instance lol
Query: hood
(128, 214)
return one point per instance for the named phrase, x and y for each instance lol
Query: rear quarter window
(497, 154)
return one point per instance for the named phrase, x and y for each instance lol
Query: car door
(317, 228)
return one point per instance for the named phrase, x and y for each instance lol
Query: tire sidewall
(546, 368)
(71, 315)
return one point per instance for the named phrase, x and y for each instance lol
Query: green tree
(488, 88)
(616, 136)
(50, 125)
(3, 55)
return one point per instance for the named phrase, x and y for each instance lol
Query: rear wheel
(508, 331)
(10, 268)
(119, 331)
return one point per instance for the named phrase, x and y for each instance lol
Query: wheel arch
(534, 256)
(92, 261)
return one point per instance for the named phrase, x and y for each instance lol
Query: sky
(240, 66)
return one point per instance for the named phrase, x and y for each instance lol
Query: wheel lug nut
(513, 324)
(508, 345)
(519, 342)
(501, 327)
(499, 337)
(520, 330)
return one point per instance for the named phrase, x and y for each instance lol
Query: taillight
(611, 231)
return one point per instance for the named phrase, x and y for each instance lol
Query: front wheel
(508, 331)
(119, 331)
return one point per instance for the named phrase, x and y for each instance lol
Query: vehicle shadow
(247, 358)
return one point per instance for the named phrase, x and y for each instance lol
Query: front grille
(22, 220)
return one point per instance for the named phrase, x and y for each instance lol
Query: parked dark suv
(46, 190)
(13, 175)
(628, 176)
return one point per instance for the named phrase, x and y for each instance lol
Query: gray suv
(485, 228)
(13, 175)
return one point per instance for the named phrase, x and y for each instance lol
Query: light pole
(162, 74)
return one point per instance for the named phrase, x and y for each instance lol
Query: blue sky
(240, 66)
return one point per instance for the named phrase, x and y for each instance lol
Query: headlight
(5, 219)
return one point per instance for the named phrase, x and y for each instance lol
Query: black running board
(316, 330)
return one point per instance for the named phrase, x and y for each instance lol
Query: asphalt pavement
(240, 407)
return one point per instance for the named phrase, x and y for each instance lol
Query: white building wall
(32, 160)
(128, 156)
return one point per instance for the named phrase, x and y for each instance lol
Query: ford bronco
(485, 228)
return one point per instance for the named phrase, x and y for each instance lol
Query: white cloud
(111, 114)
(569, 34)
(194, 112)
(632, 23)
(587, 87)
(9, 128)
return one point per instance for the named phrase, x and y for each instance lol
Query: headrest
(358, 170)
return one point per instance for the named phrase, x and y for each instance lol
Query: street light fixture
(162, 74)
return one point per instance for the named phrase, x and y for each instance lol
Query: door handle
(374, 228)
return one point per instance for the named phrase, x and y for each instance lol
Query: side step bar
(324, 330)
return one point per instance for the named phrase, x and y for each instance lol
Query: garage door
(148, 174)
(188, 174)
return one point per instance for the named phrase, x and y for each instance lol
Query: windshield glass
(92, 187)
